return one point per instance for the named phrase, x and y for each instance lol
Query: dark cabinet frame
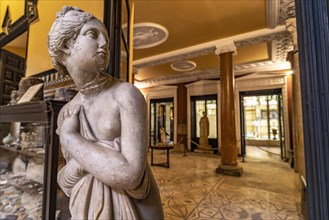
(43, 112)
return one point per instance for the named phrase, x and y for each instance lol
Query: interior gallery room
(188, 109)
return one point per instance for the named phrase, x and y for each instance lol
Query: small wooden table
(161, 147)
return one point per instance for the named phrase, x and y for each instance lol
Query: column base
(229, 170)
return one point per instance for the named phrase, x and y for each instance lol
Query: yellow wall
(38, 59)
(16, 9)
(16, 50)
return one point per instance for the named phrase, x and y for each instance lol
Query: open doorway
(162, 116)
(262, 128)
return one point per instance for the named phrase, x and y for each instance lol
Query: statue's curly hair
(64, 32)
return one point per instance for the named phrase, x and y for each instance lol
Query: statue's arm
(123, 169)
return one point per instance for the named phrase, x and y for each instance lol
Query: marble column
(297, 116)
(228, 148)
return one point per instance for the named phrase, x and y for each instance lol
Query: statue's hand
(71, 124)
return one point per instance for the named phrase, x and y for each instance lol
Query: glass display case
(161, 116)
(206, 104)
(29, 161)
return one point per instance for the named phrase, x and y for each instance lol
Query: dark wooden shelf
(23, 152)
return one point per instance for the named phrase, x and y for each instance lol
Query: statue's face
(91, 48)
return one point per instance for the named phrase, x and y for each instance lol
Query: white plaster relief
(287, 10)
(292, 29)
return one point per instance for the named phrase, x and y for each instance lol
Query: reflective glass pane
(211, 114)
(200, 106)
(261, 117)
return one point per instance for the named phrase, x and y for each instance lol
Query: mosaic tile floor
(191, 189)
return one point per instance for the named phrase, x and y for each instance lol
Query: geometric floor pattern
(191, 189)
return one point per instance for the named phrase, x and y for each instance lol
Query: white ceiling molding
(263, 38)
(148, 62)
(179, 78)
(292, 29)
(261, 67)
(202, 83)
(214, 73)
(183, 65)
(281, 46)
(226, 49)
(202, 49)
(287, 10)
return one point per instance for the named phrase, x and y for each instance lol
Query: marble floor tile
(191, 189)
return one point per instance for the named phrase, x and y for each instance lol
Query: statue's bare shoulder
(129, 97)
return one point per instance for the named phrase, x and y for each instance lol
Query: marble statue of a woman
(102, 129)
(204, 130)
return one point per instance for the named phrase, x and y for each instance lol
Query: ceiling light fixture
(183, 66)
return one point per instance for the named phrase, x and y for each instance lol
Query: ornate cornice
(214, 73)
(255, 40)
(179, 78)
(281, 46)
(292, 29)
(175, 58)
(261, 67)
(247, 84)
(287, 10)
(226, 49)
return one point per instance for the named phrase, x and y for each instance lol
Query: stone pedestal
(229, 170)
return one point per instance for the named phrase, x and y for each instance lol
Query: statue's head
(64, 33)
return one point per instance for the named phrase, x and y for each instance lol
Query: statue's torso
(102, 113)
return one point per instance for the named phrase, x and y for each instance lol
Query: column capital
(225, 49)
(291, 27)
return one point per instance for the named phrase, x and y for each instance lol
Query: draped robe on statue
(90, 198)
